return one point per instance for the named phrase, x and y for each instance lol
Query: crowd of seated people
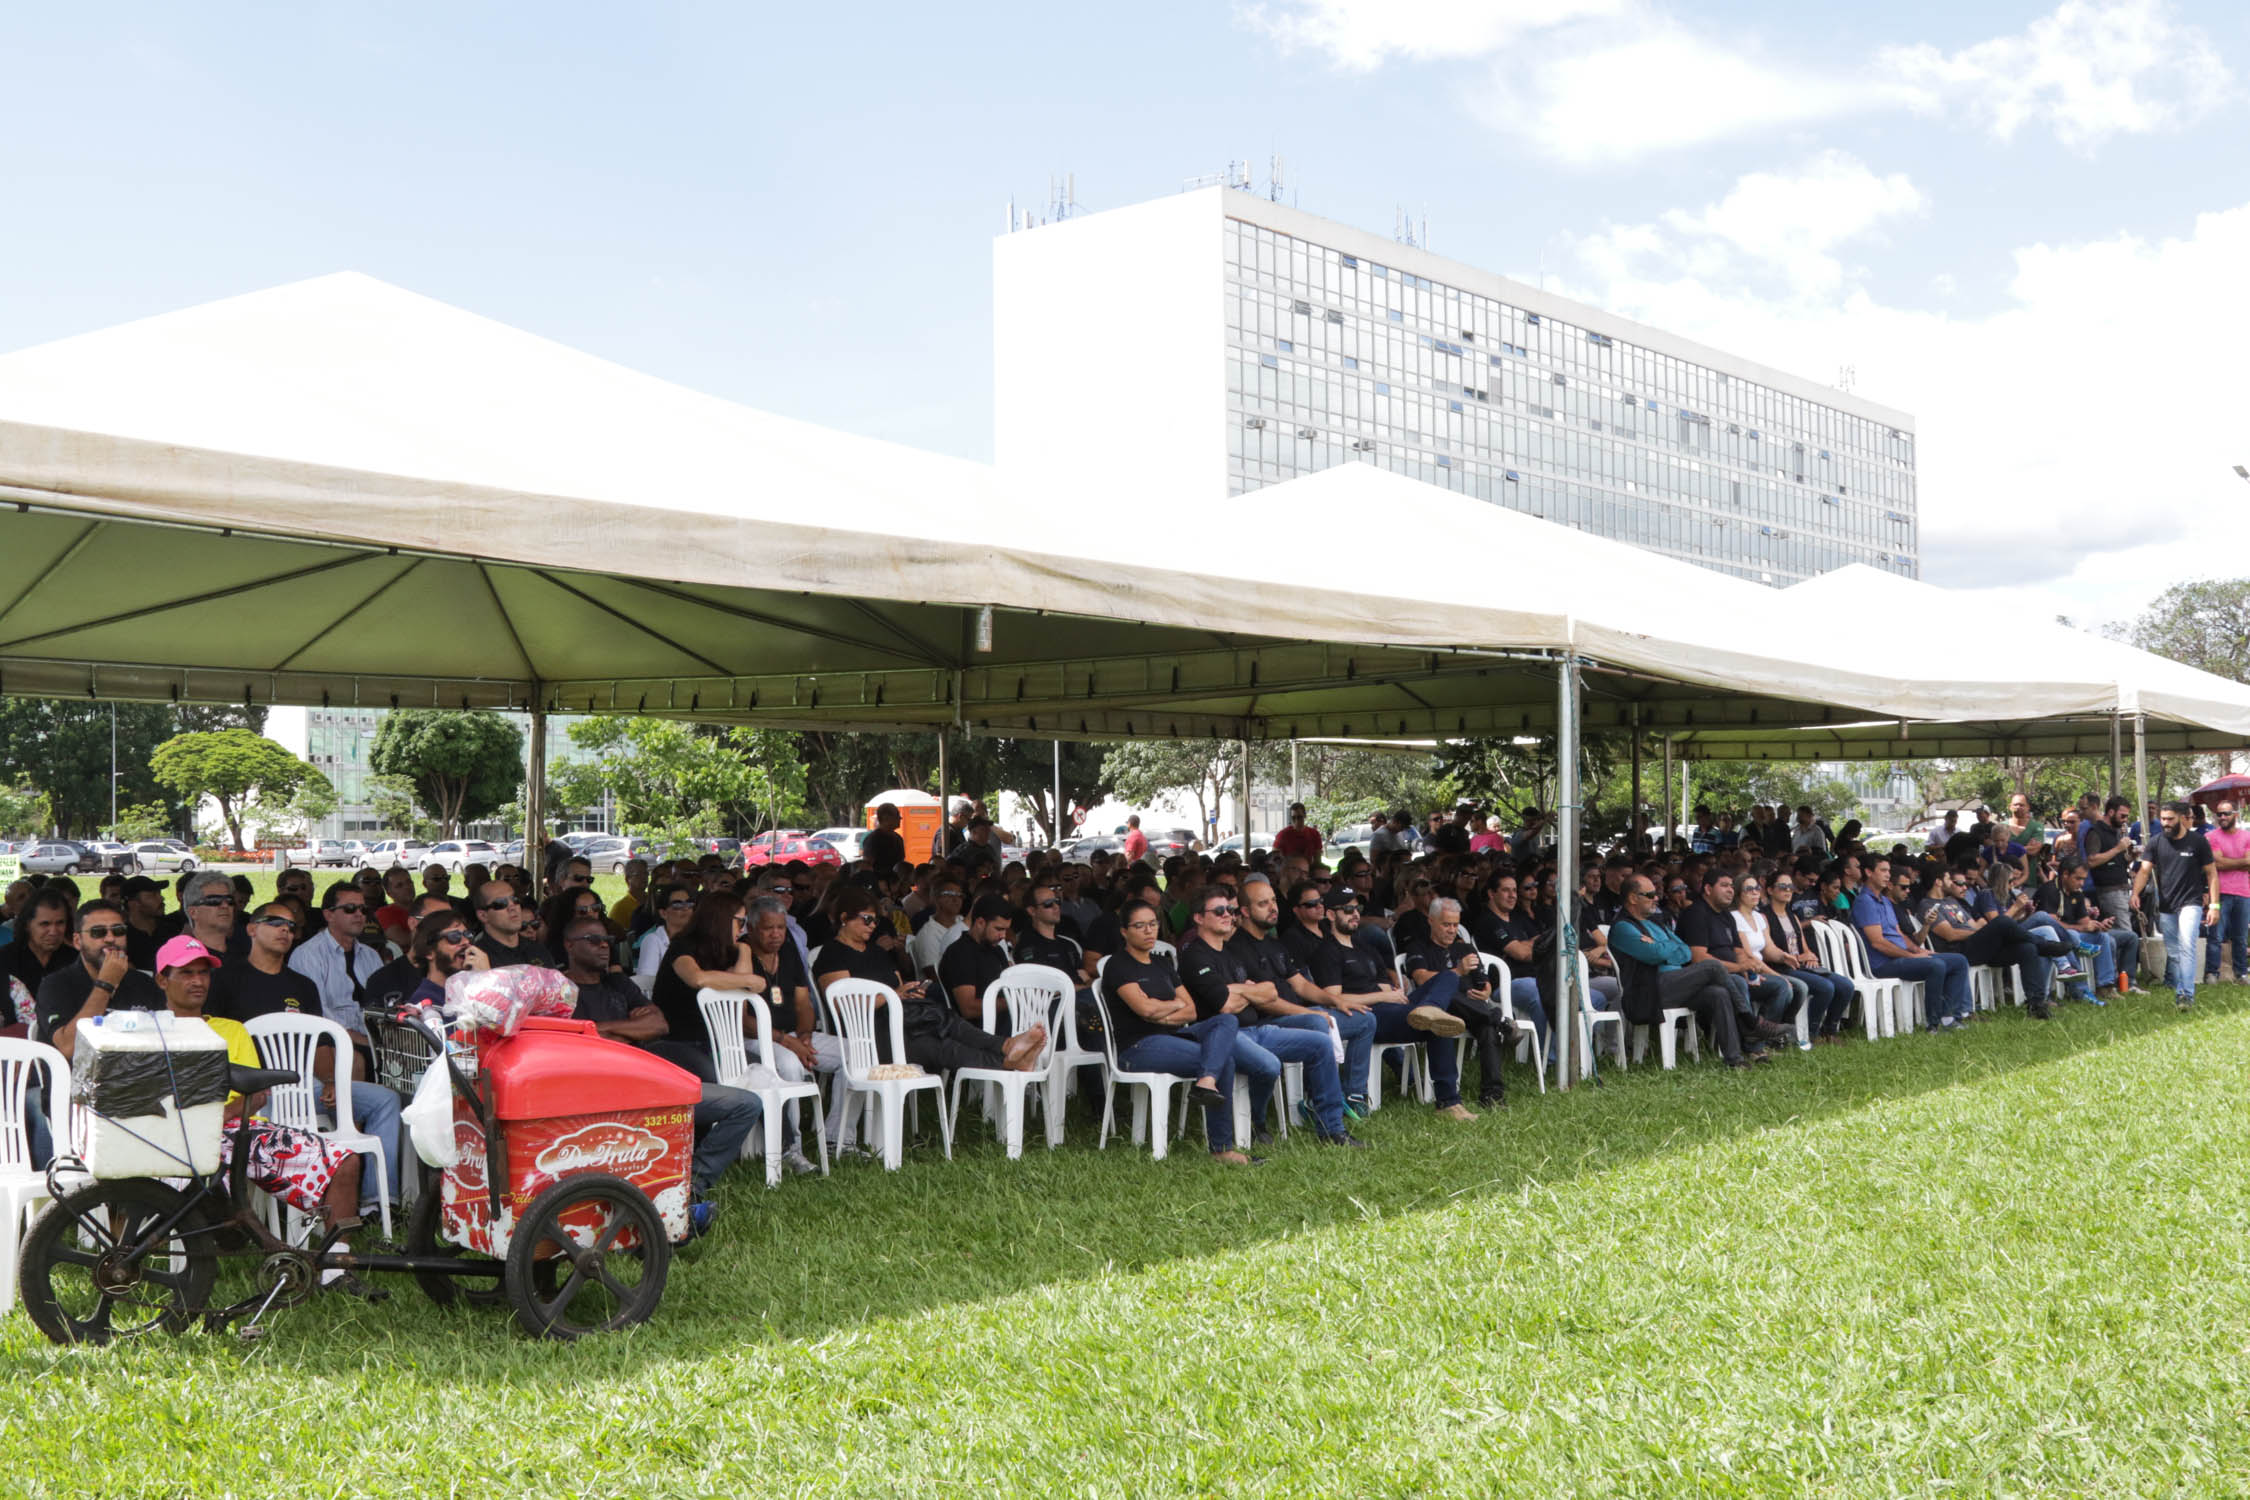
(1438, 937)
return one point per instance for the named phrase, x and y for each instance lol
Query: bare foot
(1230, 1158)
(1023, 1049)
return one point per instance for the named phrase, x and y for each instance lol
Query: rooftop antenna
(1273, 180)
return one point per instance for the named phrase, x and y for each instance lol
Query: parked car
(58, 857)
(846, 841)
(168, 855)
(389, 852)
(765, 850)
(759, 851)
(1078, 851)
(1233, 844)
(609, 853)
(115, 856)
(315, 854)
(1163, 843)
(457, 855)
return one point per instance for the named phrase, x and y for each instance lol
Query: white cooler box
(150, 1094)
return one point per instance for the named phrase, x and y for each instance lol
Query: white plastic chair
(646, 984)
(1032, 992)
(1502, 996)
(1590, 1020)
(1152, 1107)
(1067, 1052)
(856, 1004)
(22, 1187)
(724, 1012)
(1674, 1023)
(1844, 952)
(290, 1042)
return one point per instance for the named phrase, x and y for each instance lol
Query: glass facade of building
(1334, 358)
(337, 741)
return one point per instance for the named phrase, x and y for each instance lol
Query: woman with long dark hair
(709, 954)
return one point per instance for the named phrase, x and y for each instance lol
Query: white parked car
(389, 852)
(457, 855)
(169, 855)
(845, 840)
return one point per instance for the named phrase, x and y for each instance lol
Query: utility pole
(113, 770)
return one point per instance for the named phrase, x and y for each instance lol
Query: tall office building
(1205, 345)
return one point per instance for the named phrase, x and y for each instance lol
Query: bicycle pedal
(251, 1333)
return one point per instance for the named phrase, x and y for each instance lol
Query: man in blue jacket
(1658, 974)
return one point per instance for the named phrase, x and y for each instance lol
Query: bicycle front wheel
(80, 1281)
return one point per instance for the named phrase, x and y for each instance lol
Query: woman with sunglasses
(710, 954)
(1826, 995)
(1155, 1027)
(938, 1038)
(673, 907)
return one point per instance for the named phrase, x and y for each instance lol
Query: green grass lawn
(2010, 1262)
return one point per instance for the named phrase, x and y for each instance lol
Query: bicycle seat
(257, 1080)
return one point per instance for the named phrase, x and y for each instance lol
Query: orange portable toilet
(920, 815)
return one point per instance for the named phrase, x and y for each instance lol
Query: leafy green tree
(61, 747)
(233, 767)
(671, 781)
(24, 812)
(1146, 771)
(2205, 624)
(1026, 770)
(464, 764)
(844, 769)
(202, 718)
(142, 820)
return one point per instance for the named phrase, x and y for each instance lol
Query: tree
(233, 767)
(463, 764)
(391, 800)
(23, 812)
(844, 768)
(671, 781)
(293, 816)
(2205, 624)
(61, 747)
(202, 718)
(1026, 769)
(1146, 771)
(142, 820)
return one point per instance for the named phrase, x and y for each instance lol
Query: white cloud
(2075, 446)
(1590, 81)
(1363, 34)
(1794, 222)
(2088, 71)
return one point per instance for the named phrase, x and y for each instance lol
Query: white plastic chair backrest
(857, 1005)
(290, 1042)
(1824, 945)
(1109, 1027)
(646, 984)
(1503, 982)
(1033, 992)
(20, 1060)
(1165, 950)
(1858, 963)
(723, 1016)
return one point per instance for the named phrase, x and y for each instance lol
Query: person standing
(883, 850)
(2230, 926)
(2186, 877)
(1299, 838)
(1136, 842)
(2109, 856)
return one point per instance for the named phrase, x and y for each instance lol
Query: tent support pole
(2116, 750)
(1664, 843)
(1058, 828)
(944, 793)
(535, 800)
(1565, 1030)
(1296, 784)
(1246, 802)
(2140, 775)
(1635, 824)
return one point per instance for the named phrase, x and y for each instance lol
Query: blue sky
(2025, 223)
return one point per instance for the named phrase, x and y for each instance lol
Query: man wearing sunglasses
(503, 915)
(1042, 939)
(969, 966)
(1296, 1001)
(261, 983)
(2230, 924)
(442, 947)
(102, 979)
(394, 984)
(336, 961)
(210, 904)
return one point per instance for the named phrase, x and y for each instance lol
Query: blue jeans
(1445, 1059)
(1944, 978)
(1293, 1039)
(2183, 935)
(2230, 928)
(1199, 1049)
(1523, 998)
(1827, 998)
(1357, 1028)
(724, 1118)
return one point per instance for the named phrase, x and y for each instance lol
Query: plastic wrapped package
(497, 1000)
(154, 1088)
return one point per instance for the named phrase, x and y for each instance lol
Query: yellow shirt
(621, 914)
(241, 1051)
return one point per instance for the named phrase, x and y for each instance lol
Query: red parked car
(782, 847)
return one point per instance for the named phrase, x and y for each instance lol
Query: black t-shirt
(1157, 981)
(1493, 932)
(1427, 957)
(1267, 960)
(23, 964)
(140, 948)
(1356, 968)
(1108, 935)
(1712, 931)
(676, 998)
(1410, 928)
(972, 963)
(1964, 845)
(869, 962)
(63, 992)
(2181, 869)
(883, 849)
(525, 952)
(2094, 837)
(820, 930)
(241, 991)
(973, 859)
(613, 998)
(784, 977)
(1451, 838)
(1207, 971)
(1057, 952)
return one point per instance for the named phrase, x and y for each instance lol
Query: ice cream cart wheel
(422, 1239)
(77, 1282)
(579, 1226)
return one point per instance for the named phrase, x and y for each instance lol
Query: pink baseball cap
(179, 952)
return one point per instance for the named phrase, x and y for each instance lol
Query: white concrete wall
(1109, 336)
